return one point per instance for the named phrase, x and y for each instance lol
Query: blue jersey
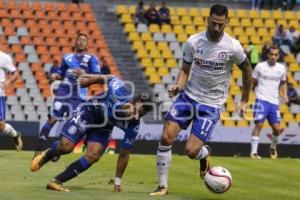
(68, 88)
(89, 120)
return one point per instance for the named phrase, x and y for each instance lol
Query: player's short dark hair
(81, 34)
(146, 99)
(274, 46)
(219, 10)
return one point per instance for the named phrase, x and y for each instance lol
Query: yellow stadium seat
(229, 123)
(235, 90)
(149, 45)
(133, 36)
(178, 29)
(270, 23)
(254, 14)
(171, 62)
(198, 21)
(288, 117)
(290, 15)
(283, 124)
(201, 28)
(146, 62)
(257, 23)
(228, 30)
(237, 31)
(298, 117)
(245, 22)
(236, 73)
(146, 36)
(150, 71)
(181, 11)
(277, 14)
(167, 54)
(298, 15)
(142, 53)
(241, 13)
(249, 116)
(256, 40)
(162, 71)
(121, 9)
(137, 45)
(250, 31)
(243, 39)
(194, 12)
(158, 62)
(290, 58)
(234, 22)
(154, 53)
(225, 116)
(129, 27)
(284, 108)
(190, 29)
(265, 14)
(154, 78)
(154, 28)
(294, 23)
(162, 46)
(266, 125)
(231, 13)
(262, 32)
(175, 20)
(172, 11)
(204, 12)
(126, 18)
(283, 22)
(182, 37)
(294, 67)
(186, 20)
(132, 9)
(230, 107)
(242, 123)
(166, 28)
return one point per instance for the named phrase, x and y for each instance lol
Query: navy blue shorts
(2, 108)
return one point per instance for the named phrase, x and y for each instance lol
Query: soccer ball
(218, 180)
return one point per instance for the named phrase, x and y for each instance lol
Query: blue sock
(52, 152)
(43, 137)
(73, 170)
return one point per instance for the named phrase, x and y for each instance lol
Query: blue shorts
(186, 110)
(263, 109)
(2, 108)
(61, 107)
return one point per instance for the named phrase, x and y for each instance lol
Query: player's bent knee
(65, 147)
(2, 125)
(191, 152)
(166, 139)
(92, 157)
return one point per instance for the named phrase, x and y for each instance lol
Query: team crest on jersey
(222, 55)
(72, 130)
(173, 112)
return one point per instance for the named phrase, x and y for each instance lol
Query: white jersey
(6, 65)
(268, 81)
(211, 67)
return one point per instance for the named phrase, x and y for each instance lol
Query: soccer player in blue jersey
(67, 95)
(95, 120)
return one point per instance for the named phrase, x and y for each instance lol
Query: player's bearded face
(81, 43)
(216, 26)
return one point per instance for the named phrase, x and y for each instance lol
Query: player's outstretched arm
(86, 80)
(121, 167)
(283, 89)
(246, 69)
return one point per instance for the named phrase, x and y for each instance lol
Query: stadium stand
(159, 50)
(35, 34)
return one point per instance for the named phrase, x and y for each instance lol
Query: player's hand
(285, 99)
(173, 90)
(242, 108)
(117, 188)
(78, 72)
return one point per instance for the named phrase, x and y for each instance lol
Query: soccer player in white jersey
(268, 77)
(202, 85)
(7, 66)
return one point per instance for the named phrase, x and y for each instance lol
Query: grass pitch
(252, 179)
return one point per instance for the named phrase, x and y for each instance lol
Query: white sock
(163, 162)
(202, 153)
(254, 144)
(274, 141)
(9, 130)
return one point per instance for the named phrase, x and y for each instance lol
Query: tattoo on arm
(246, 69)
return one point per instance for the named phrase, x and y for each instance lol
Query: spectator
(105, 68)
(292, 36)
(252, 54)
(152, 15)
(265, 50)
(77, 1)
(256, 4)
(280, 36)
(164, 14)
(140, 14)
(292, 95)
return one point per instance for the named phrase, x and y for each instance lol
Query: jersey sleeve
(131, 131)
(239, 55)
(94, 65)
(8, 64)
(283, 78)
(188, 53)
(63, 68)
(255, 72)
